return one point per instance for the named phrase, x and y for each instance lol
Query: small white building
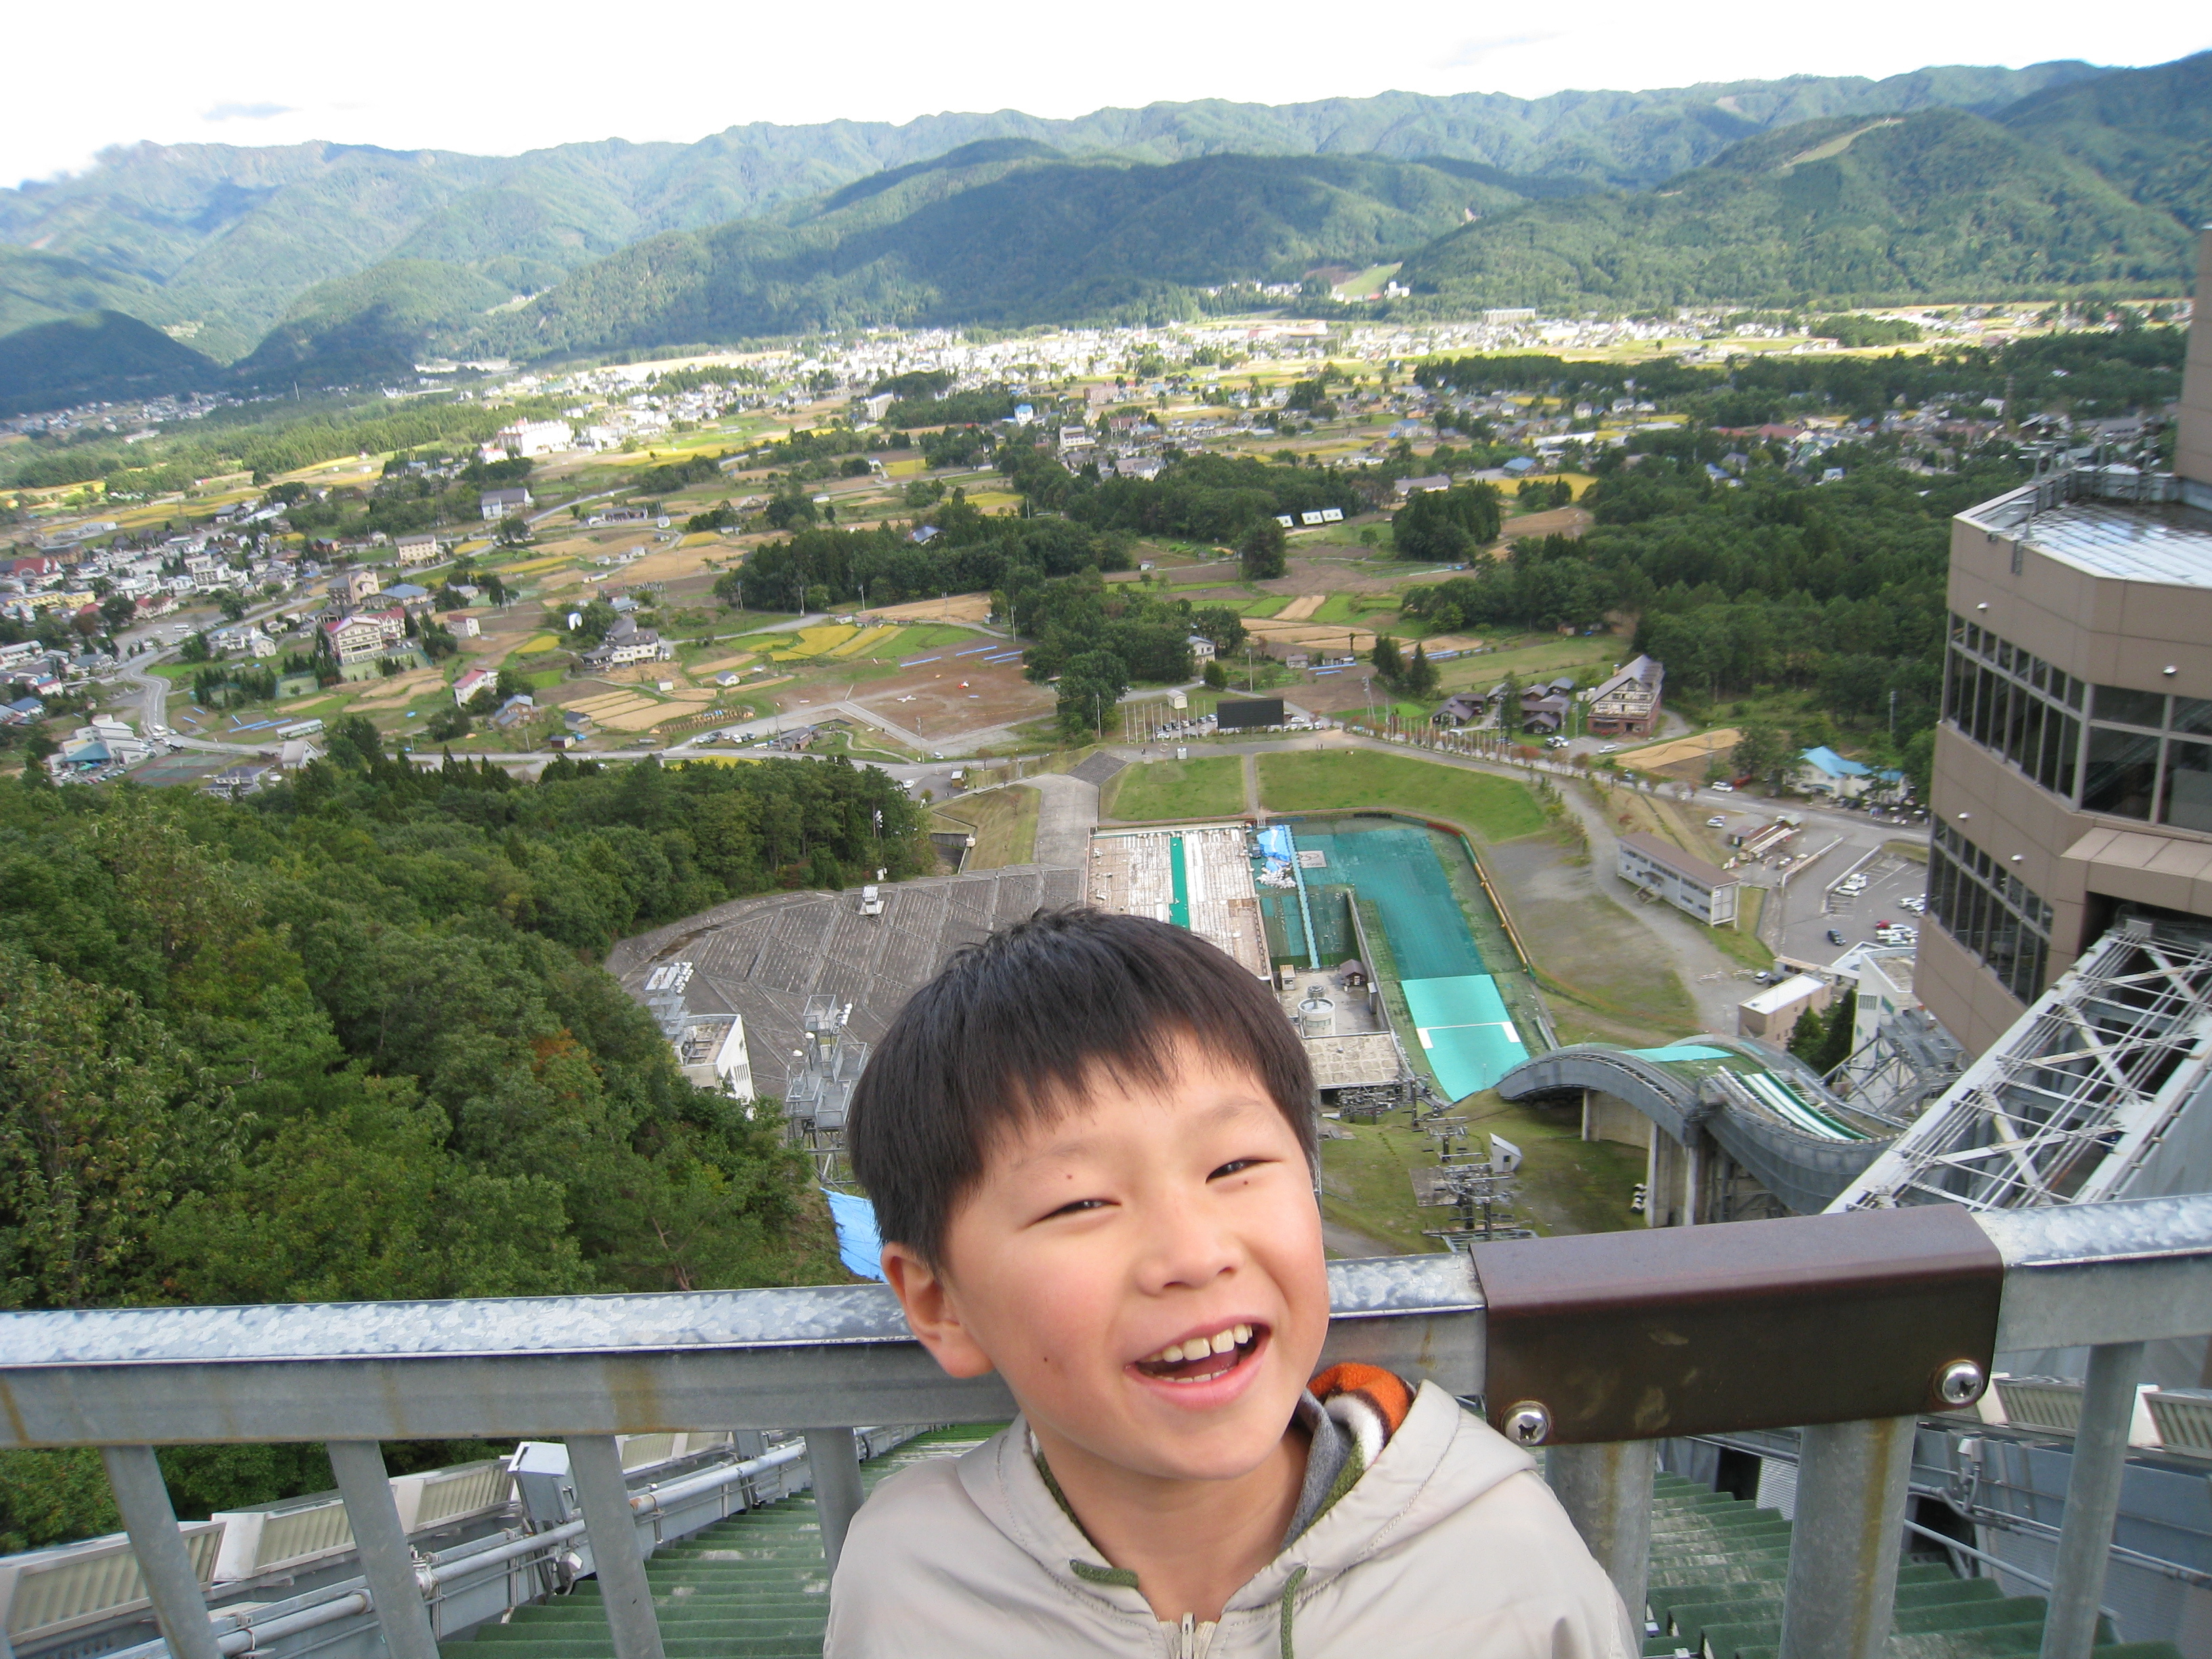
(420, 548)
(1774, 1013)
(497, 504)
(1201, 649)
(535, 437)
(1664, 871)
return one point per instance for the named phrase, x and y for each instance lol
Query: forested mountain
(1004, 231)
(219, 239)
(337, 264)
(95, 355)
(1938, 205)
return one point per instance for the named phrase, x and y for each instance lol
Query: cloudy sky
(497, 79)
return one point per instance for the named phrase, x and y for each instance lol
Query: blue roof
(1828, 760)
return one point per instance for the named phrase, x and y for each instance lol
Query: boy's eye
(1077, 1207)
(1236, 1166)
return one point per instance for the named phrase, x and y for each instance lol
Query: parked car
(1724, 789)
(1716, 823)
(1835, 936)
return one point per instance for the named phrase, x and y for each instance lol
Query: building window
(2003, 923)
(2117, 761)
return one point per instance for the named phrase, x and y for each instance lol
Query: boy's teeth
(1198, 1347)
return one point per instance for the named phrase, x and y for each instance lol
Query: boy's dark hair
(1013, 1028)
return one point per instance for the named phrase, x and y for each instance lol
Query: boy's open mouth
(1203, 1359)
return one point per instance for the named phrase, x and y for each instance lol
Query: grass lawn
(1212, 788)
(1003, 822)
(1568, 1185)
(1490, 808)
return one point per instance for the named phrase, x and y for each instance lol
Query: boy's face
(1176, 1220)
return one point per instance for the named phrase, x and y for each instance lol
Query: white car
(1608, 747)
(1724, 789)
(1716, 823)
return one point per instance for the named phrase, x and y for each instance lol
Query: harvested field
(722, 664)
(1693, 751)
(1302, 607)
(1558, 521)
(863, 641)
(938, 699)
(400, 690)
(959, 607)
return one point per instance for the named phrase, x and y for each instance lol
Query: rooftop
(2167, 542)
(1673, 857)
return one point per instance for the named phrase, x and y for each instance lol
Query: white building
(535, 437)
(1683, 880)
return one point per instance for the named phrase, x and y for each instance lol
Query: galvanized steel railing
(1848, 1326)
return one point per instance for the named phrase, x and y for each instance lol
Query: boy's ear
(933, 1312)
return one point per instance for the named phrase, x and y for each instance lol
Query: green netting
(1464, 1027)
(1396, 866)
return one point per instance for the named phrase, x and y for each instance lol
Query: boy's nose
(1184, 1247)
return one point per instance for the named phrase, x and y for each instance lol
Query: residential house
(356, 587)
(1626, 704)
(415, 601)
(496, 504)
(1407, 488)
(1201, 649)
(626, 642)
(1468, 708)
(364, 636)
(469, 684)
(461, 625)
(419, 549)
(1822, 771)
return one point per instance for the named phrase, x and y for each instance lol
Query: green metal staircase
(752, 1587)
(1718, 1565)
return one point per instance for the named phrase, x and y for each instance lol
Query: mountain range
(337, 264)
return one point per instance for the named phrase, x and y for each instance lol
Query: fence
(1847, 1327)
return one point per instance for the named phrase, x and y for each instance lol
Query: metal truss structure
(1907, 1062)
(2069, 1103)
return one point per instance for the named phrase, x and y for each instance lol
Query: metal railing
(1847, 1327)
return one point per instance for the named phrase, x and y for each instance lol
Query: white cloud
(408, 74)
(246, 112)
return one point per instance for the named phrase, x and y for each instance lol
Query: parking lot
(1876, 892)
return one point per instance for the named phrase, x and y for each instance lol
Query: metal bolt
(1960, 1382)
(1529, 1424)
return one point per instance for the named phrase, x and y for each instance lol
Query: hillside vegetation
(1940, 206)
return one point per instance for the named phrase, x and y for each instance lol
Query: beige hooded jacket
(1449, 1545)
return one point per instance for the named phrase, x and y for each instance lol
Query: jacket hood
(1442, 1459)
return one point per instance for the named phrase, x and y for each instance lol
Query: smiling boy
(1091, 1143)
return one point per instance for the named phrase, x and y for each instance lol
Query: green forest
(350, 1039)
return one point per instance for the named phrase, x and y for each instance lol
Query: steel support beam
(1605, 1490)
(2092, 1500)
(163, 1561)
(595, 1466)
(836, 1464)
(386, 1561)
(1853, 1479)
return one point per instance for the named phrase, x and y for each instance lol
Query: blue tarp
(1275, 843)
(860, 1246)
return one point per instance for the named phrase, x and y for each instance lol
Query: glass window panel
(2015, 736)
(2039, 675)
(2188, 797)
(2192, 714)
(2031, 742)
(1985, 685)
(2004, 655)
(2116, 703)
(1957, 677)
(2073, 692)
(2069, 750)
(2121, 771)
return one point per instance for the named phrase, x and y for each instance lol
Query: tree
(1262, 550)
(1389, 665)
(1823, 1041)
(1761, 751)
(117, 608)
(1217, 676)
(1447, 526)
(195, 649)
(1090, 685)
(231, 604)
(1420, 675)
